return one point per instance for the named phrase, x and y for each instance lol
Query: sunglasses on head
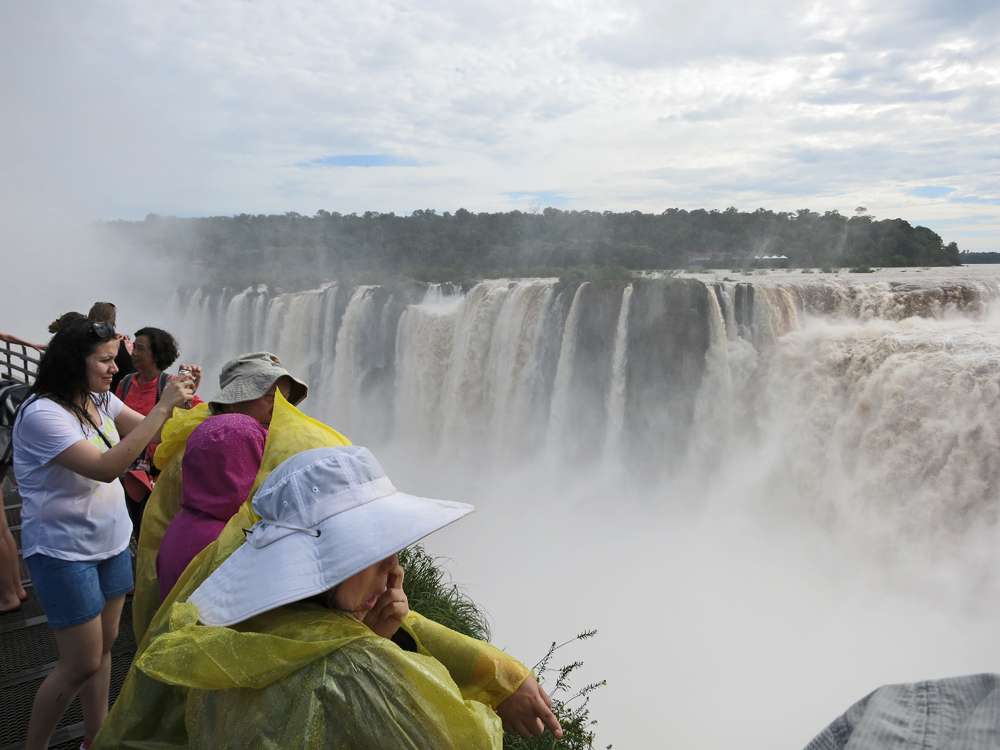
(101, 331)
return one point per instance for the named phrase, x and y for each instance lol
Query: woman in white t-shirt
(75, 527)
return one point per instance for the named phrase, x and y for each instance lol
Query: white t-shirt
(64, 514)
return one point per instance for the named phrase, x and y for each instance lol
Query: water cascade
(817, 459)
(663, 374)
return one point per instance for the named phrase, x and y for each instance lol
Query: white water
(561, 398)
(616, 394)
(831, 526)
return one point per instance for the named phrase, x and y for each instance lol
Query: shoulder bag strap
(127, 383)
(161, 383)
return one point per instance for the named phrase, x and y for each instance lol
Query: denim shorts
(73, 592)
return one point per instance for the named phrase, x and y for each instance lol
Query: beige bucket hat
(250, 376)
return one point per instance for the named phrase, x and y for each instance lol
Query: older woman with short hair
(153, 352)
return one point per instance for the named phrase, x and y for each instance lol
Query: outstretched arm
(484, 673)
(137, 430)
(8, 339)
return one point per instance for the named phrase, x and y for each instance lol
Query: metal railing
(18, 362)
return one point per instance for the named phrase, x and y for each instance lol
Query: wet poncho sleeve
(364, 692)
(482, 672)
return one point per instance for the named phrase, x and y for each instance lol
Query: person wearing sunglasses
(107, 312)
(72, 440)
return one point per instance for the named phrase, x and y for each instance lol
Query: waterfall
(564, 371)
(347, 384)
(238, 322)
(423, 351)
(515, 369)
(300, 331)
(802, 381)
(797, 478)
(716, 409)
(467, 410)
(616, 397)
(324, 348)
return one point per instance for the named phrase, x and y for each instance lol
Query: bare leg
(94, 692)
(80, 658)
(12, 593)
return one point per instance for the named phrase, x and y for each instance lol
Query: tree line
(433, 246)
(990, 257)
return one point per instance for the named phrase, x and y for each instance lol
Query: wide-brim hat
(326, 514)
(250, 376)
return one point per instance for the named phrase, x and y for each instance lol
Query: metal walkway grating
(16, 705)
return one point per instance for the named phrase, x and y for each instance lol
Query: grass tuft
(431, 592)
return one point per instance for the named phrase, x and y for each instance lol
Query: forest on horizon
(429, 246)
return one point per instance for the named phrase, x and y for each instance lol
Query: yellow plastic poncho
(290, 432)
(298, 676)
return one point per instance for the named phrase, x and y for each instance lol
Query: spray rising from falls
(840, 400)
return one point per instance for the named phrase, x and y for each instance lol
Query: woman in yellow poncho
(331, 523)
(292, 651)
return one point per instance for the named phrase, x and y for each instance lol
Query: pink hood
(221, 461)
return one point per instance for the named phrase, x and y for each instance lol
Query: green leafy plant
(573, 711)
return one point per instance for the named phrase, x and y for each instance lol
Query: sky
(115, 109)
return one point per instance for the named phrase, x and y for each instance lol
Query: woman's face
(142, 355)
(359, 593)
(262, 408)
(101, 366)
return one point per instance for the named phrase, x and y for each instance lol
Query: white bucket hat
(326, 514)
(250, 376)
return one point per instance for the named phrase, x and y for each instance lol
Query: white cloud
(119, 108)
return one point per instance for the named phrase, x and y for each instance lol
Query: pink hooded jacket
(220, 463)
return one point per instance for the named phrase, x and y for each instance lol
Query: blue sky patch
(930, 191)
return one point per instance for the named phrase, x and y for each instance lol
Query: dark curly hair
(62, 370)
(163, 346)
